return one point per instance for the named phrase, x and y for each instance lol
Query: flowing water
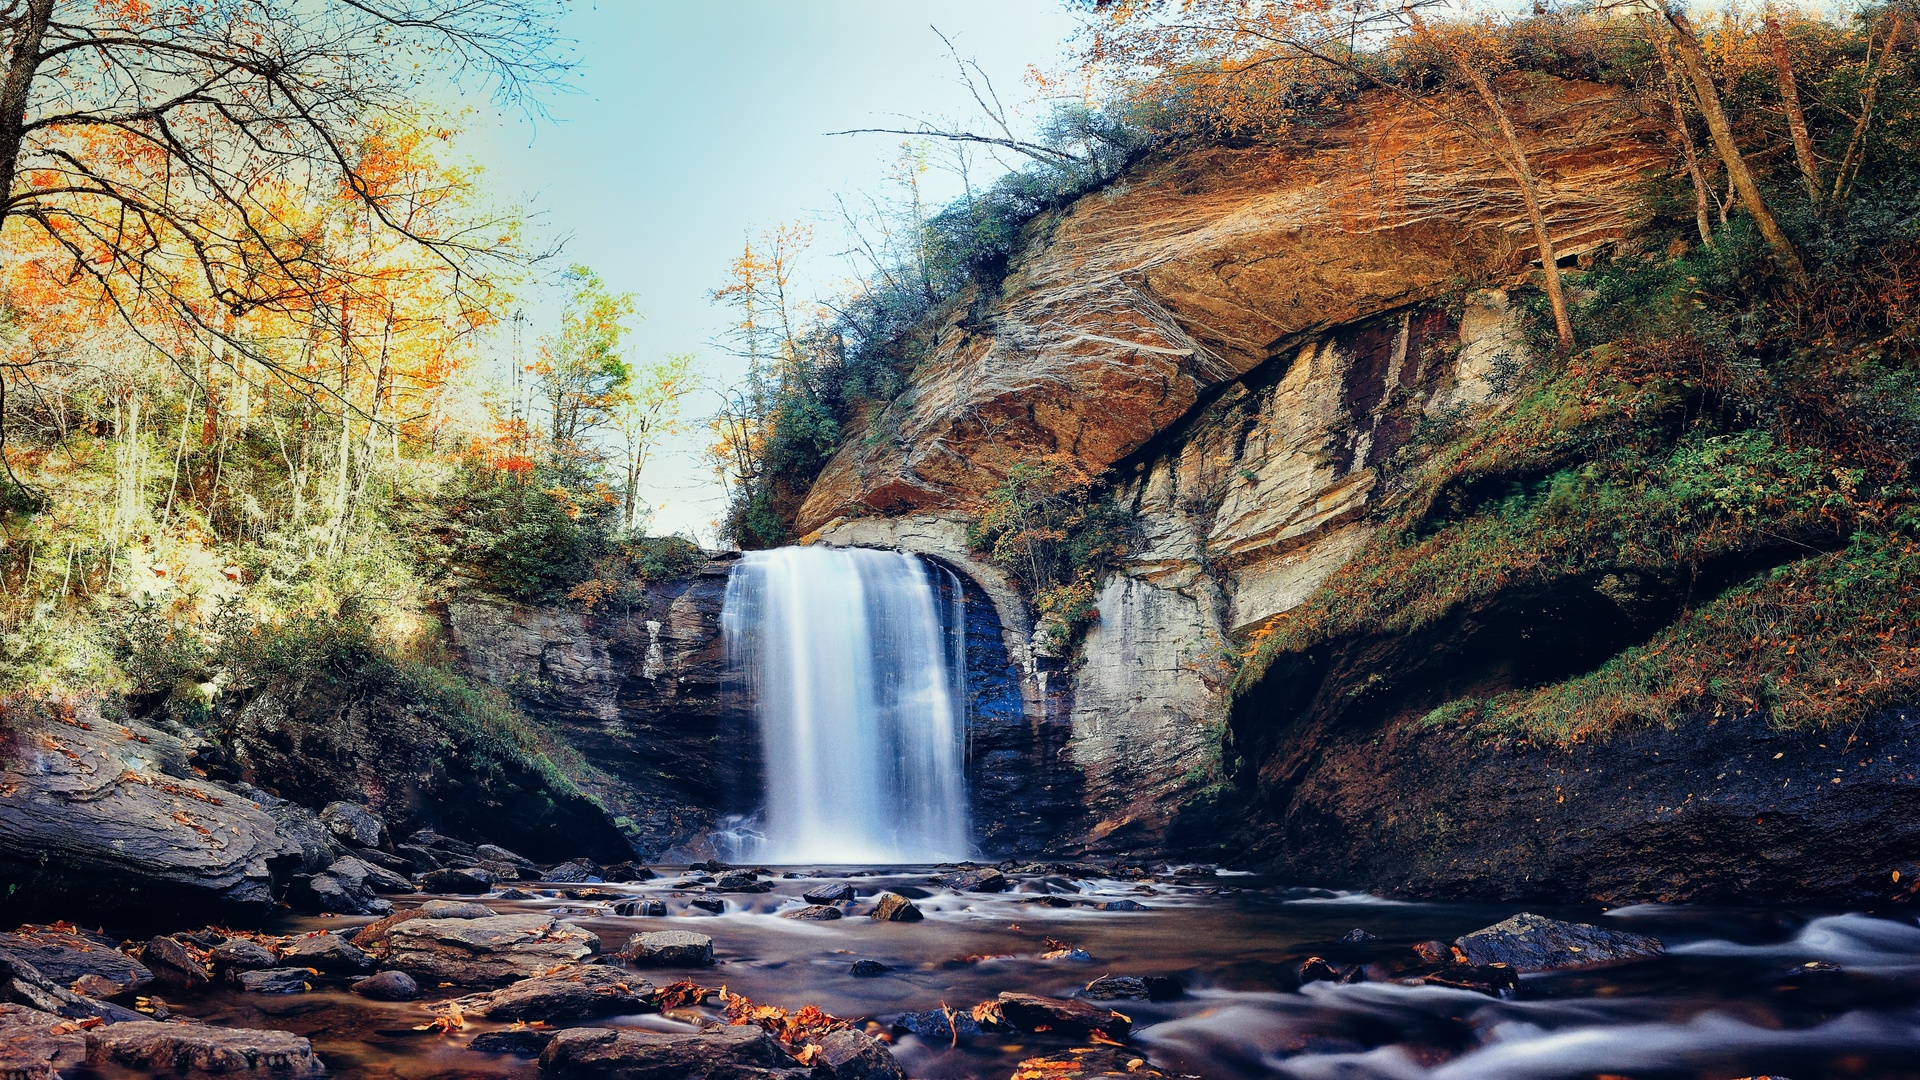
(1732, 997)
(855, 661)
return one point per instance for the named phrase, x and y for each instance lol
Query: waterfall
(855, 661)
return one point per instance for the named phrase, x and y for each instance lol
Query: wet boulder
(669, 948)
(287, 980)
(571, 873)
(240, 954)
(813, 913)
(387, 986)
(1097, 1063)
(455, 909)
(892, 907)
(851, 1055)
(741, 881)
(353, 824)
(22, 984)
(1122, 904)
(1529, 943)
(466, 880)
(839, 893)
(733, 1052)
(868, 969)
(489, 951)
(348, 886)
(64, 956)
(709, 903)
(653, 909)
(523, 1041)
(987, 880)
(1030, 1012)
(200, 1050)
(574, 993)
(937, 1026)
(1133, 987)
(329, 953)
(626, 872)
(175, 964)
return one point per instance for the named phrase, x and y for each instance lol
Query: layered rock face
(1240, 339)
(639, 694)
(1141, 302)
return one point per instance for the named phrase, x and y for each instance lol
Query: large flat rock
(484, 952)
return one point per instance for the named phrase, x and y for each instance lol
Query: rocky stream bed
(1026, 971)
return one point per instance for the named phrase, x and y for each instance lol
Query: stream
(1731, 998)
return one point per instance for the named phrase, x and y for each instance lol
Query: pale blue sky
(697, 122)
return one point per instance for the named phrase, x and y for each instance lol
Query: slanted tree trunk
(1530, 194)
(1682, 133)
(1856, 145)
(1790, 97)
(1722, 132)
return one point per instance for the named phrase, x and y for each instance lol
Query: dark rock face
(469, 880)
(108, 819)
(351, 823)
(641, 693)
(322, 743)
(1528, 943)
(1729, 809)
(63, 957)
(727, 1053)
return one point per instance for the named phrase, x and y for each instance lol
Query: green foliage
(1047, 527)
(526, 536)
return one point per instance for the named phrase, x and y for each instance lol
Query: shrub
(1047, 526)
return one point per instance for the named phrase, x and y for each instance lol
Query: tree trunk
(1530, 193)
(1849, 163)
(1722, 131)
(1790, 96)
(23, 62)
(1701, 196)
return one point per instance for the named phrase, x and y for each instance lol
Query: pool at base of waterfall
(1735, 992)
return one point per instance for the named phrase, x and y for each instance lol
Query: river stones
(200, 1050)
(1097, 1063)
(709, 903)
(330, 953)
(852, 1055)
(670, 948)
(493, 950)
(240, 954)
(470, 880)
(288, 980)
(524, 1041)
(37, 1045)
(573, 993)
(813, 913)
(571, 873)
(387, 986)
(892, 907)
(652, 909)
(742, 1052)
(626, 872)
(64, 956)
(1029, 1012)
(1530, 943)
(22, 984)
(839, 893)
(173, 964)
(347, 887)
(868, 969)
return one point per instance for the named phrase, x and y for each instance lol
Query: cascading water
(855, 661)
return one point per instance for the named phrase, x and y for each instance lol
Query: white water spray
(856, 665)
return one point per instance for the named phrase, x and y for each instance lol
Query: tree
(580, 371)
(648, 409)
(1687, 42)
(153, 144)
